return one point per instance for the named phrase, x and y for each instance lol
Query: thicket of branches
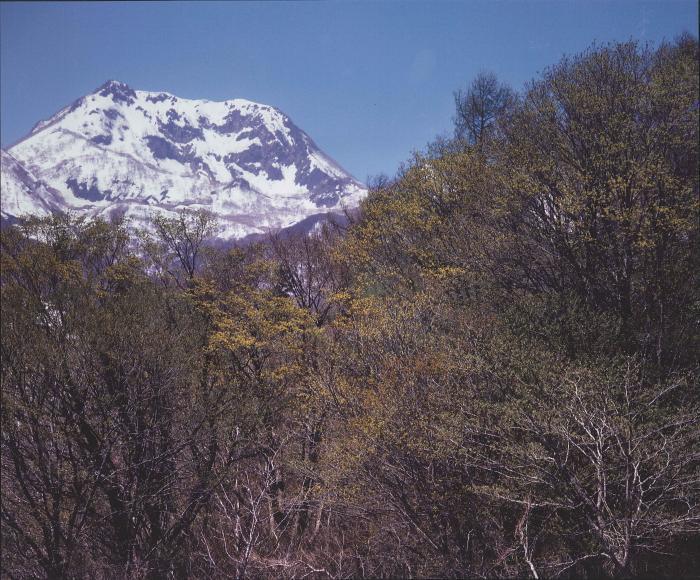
(491, 372)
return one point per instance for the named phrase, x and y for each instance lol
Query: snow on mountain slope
(141, 152)
(21, 192)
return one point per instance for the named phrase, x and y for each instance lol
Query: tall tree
(479, 108)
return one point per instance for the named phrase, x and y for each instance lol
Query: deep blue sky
(369, 81)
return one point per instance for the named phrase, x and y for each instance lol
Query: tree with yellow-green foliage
(571, 249)
(602, 184)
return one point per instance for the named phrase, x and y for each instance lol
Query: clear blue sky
(369, 81)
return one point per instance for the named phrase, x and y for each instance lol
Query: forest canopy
(490, 372)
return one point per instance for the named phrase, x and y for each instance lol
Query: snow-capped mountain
(139, 152)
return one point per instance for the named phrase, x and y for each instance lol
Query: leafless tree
(479, 107)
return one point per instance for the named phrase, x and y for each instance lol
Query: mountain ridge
(143, 152)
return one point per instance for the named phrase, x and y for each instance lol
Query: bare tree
(603, 452)
(479, 107)
(307, 271)
(185, 235)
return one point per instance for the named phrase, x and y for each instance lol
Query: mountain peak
(119, 91)
(113, 83)
(118, 149)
